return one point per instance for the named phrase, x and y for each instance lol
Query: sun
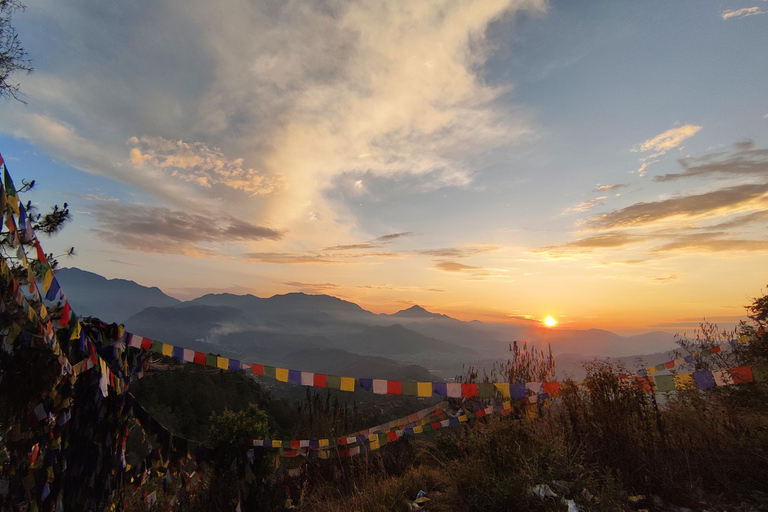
(549, 321)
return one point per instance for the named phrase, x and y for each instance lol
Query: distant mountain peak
(416, 311)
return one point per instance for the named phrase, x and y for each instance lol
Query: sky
(602, 162)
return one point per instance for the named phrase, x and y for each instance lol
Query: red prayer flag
(200, 358)
(392, 436)
(436, 425)
(295, 445)
(40, 253)
(715, 350)
(480, 413)
(669, 364)
(146, 343)
(394, 387)
(468, 389)
(742, 374)
(65, 314)
(258, 369)
(552, 388)
(320, 380)
(341, 440)
(645, 384)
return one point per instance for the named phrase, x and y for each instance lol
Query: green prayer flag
(210, 360)
(269, 371)
(157, 346)
(485, 390)
(665, 383)
(333, 382)
(759, 373)
(410, 388)
(660, 367)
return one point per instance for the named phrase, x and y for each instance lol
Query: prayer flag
(665, 383)
(394, 387)
(410, 389)
(440, 388)
(722, 377)
(188, 355)
(366, 384)
(320, 380)
(134, 341)
(552, 388)
(646, 384)
(379, 386)
(281, 374)
(258, 369)
(294, 376)
(485, 390)
(742, 374)
(684, 381)
(270, 371)
(468, 389)
(65, 314)
(424, 389)
(453, 390)
(517, 390)
(210, 360)
(503, 388)
(47, 280)
(704, 379)
(347, 384)
(200, 358)
(307, 379)
(333, 381)
(166, 350)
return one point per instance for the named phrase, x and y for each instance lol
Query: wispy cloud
(376, 242)
(745, 161)
(452, 266)
(694, 205)
(587, 205)
(162, 230)
(606, 188)
(741, 13)
(670, 139)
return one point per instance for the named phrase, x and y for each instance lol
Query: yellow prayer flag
(324, 454)
(503, 388)
(744, 339)
(507, 405)
(120, 331)
(347, 384)
(43, 312)
(167, 349)
(651, 370)
(75, 333)
(277, 444)
(684, 381)
(418, 430)
(374, 445)
(32, 315)
(221, 362)
(532, 412)
(424, 389)
(47, 280)
(462, 418)
(281, 374)
(323, 442)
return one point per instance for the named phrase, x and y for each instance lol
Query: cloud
(586, 205)
(743, 162)
(695, 205)
(288, 258)
(311, 286)
(712, 242)
(665, 279)
(377, 242)
(452, 266)
(589, 244)
(400, 288)
(162, 230)
(198, 163)
(606, 188)
(453, 252)
(670, 139)
(741, 13)
(316, 90)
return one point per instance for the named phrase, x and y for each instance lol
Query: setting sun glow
(549, 321)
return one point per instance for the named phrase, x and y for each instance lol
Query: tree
(13, 57)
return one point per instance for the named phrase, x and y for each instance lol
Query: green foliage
(13, 58)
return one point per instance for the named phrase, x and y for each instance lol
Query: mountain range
(320, 331)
